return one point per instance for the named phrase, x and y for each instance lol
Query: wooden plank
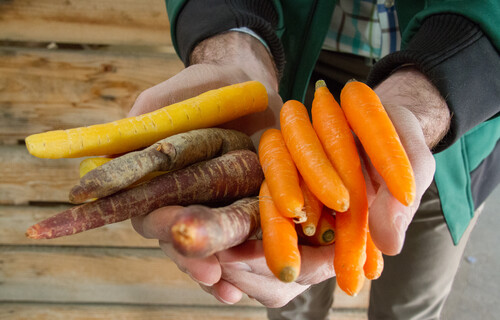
(43, 90)
(345, 301)
(103, 275)
(34, 311)
(15, 311)
(97, 275)
(25, 178)
(14, 220)
(128, 22)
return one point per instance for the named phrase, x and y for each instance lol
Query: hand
(219, 61)
(242, 269)
(421, 118)
(223, 60)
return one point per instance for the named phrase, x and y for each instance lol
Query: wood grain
(25, 178)
(38, 311)
(14, 220)
(103, 275)
(129, 22)
(97, 275)
(43, 90)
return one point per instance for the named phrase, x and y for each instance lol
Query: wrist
(239, 50)
(409, 88)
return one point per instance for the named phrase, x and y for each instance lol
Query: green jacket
(302, 27)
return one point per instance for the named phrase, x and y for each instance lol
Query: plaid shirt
(367, 28)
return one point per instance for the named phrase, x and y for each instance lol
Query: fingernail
(198, 281)
(224, 301)
(237, 265)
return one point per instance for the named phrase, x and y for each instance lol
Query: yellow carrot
(89, 164)
(209, 109)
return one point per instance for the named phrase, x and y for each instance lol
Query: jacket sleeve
(461, 61)
(195, 20)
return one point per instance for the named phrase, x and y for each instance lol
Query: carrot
(229, 177)
(172, 153)
(351, 226)
(325, 230)
(89, 164)
(370, 122)
(310, 158)
(374, 264)
(279, 239)
(209, 109)
(199, 231)
(281, 175)
(312, 208)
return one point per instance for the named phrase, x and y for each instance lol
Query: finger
(224, 291)
(205, 271)
(156, 225)
(262, 286)
(388, 218)
(189, 83)
(316, 266)
(388, 221)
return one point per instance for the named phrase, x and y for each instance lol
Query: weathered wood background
(69, 63)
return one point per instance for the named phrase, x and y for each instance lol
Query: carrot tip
(300, 216)
(77, 195)
(320, 84)
(343, 206)
(185, 235)
(33, 232)
(328, 236)
(309, 230)
(288, 274)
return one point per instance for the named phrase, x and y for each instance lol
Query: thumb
(316, 265)
(388, 221)
(188, 83)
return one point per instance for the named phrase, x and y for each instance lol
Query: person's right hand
(230, 273)
(222, 60)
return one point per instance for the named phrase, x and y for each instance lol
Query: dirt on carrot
(172, 153)
(232, 176)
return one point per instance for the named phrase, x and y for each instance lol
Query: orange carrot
(370, 122)
(310, 158)
(325, 230)
(351, 226)
(312, 208)
(279, 239)
(374, 260)
(281, 175)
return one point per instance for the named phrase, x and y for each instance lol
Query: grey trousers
(414, 284)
